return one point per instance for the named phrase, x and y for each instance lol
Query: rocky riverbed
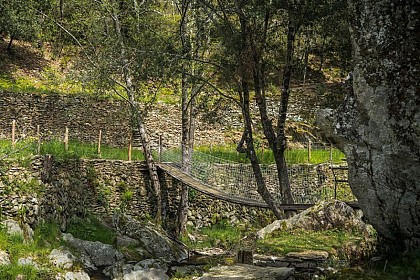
(143, 251)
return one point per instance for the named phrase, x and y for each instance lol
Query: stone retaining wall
(85, 116)
(60, 190)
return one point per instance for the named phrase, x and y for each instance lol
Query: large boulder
(324, 215)
(151, 238)
(378, 126)
(100, 254)
(62, 258)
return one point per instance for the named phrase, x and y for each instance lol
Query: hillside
(29, 69)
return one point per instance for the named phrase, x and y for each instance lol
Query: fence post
(309, 150)
(129, 145)
(66, 139)
(262, 151)
(99, 141)
(13, 132)
(331, 153)
(160, 148)
(38, 136)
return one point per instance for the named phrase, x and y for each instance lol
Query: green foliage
(90, 228)
(402, 267)
(192, 193)
(83, 150)
(18, 19)
(103, 194)
(122, 186)
(12, 271)
(293, 156)
(221, 234)
(21, 187)
(21, 153)
(126, 198)
(47, 236)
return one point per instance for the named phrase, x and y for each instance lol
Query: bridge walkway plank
(208, 190)
(204, 188)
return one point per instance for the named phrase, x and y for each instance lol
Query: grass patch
(82, 150)
(221, 235)
(90, 228)
(12, 271)
(20, 153)
(46, 237)
(23, 151)
(293, 156)
(283, 242)
(402, 267)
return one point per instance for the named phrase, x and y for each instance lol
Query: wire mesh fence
(312, 179)
(309, 182)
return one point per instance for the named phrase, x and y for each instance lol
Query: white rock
(62, 258)
(4, 258)
(27, 261)
(147, 274)
(80, 275)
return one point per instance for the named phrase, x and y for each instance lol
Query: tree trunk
(379, 125)
(9, 46)
(281, 122)
(246, 48)
(250, 150)
(151, 166)
(137, 120)
(187, 117)
(321, 54)
(306, 56)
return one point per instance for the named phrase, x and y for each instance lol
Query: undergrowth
(46, 237)
(82, 150)
(221, 235)
(23, 151)
(77, 149)
(331, 241)
(90, 228)
(293, 156)
(402, 267)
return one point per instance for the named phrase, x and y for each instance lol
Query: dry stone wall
(63, 189)
(85, 116)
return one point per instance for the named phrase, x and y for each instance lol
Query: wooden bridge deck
(208, 190)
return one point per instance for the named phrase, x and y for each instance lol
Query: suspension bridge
(235, 182)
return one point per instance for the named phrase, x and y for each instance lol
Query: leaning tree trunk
(379, 125)
(136, 118)
(151, 166)
(247, 142)
(247, 139)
